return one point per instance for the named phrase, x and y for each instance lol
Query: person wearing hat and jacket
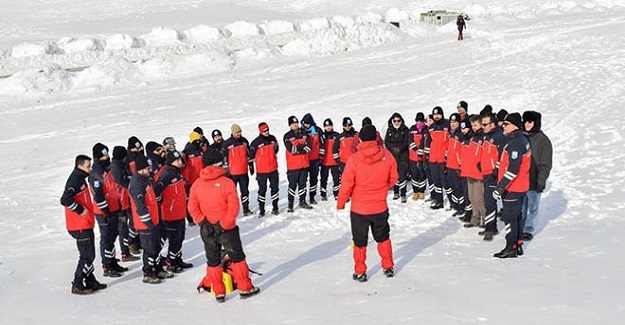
(145, 214)
(128, 241)
(317, 151)
(263, 152)
(396, 141)
(329, 165)
(356, 142)
(492, 146)
(462, 25)
(79, 222)
(169, 144)
(135, 147)
(368, 175)
(107, 207)
(170, 188)
(156, 153)
(192, 158)
(342, 146)
(542, 154)
(236, 150)
(512, 183)
(416, 140)
(297, 147)
(214, 205)
(435, 149)
(454, 153)
(203, 141)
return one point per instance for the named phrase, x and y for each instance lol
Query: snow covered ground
(77, 72)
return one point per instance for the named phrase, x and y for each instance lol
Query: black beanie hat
(99, 151)
(198, 130)
(366, 121)
(172, 156)
(142, 162)
(212, 157)
(464, 105)
(501, 115)
(530, 116)
(347, 121)
(328, 122)
(486, 110)
(119, 153)
(151, 146)
(464, 124)
(134, 142)
(367, 133)
(216, 133)
(454, 117)
(515, 118)
(420, 117)
(437, 110)
(293, 119)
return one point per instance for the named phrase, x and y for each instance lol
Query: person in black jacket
(460, 23)
(540, 167)
(396, 141)
(127, 233)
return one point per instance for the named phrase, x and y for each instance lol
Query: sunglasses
(396, 121)
(487, 124)
(265, 130)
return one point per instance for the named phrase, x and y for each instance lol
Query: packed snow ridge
(93, 63)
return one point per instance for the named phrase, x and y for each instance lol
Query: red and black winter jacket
(170, 187)
(158, 165)
(121, 180)
(342, 146)
(328, 141)
(471, 157)
(514, 165)
(297, 146)
(368, 175)
(104, 189)
(143, 202)
(130, 161)
(193, 162)
(263, 152)
(436, 143)
(492, 146)
(76, 199)
(417, 143)
(454, 150)
(316, 143)
(236, 153)
(214, 198)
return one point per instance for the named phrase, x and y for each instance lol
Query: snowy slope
(564, 59)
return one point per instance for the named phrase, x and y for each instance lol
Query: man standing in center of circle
(236, 151)
(368, 175)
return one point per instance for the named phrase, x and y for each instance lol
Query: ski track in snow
(560, 67)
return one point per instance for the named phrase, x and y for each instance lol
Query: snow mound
(342, 21)
(162, 36)
(33, 49)
(396, 15)
(201, 34)
(71, 45)
(371, 18)
(241, 29)
(121, 42)
(49, 80)
(313, 24)
(277, 27)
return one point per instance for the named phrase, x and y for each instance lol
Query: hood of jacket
(210, 173)
(308, 119)
(534, 116)
(370, 152)
(390, 120)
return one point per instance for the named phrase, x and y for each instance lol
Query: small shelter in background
(441, 17)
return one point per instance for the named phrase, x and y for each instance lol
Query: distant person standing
(396, 141)
(236, 150)
(542, 152)
(368, 175)
(329, 165)
(461, 26)
(263, 152)
(297, 145)
(79, 221)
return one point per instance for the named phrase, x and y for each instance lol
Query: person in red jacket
(454, 152)
(317, 151)
(171, 190)
(107, 208)
(263, 152)
(368, 176)
(237, 152)
(297, 145)
(418, 134)
(127, 232)
(342, 146)
(135, 148)
(472, 170)
(192, 155)
(214, 205)
(146, 218)
(492, 147)
(513, 181)
(435, 149)
(328, 163)
(79, 221)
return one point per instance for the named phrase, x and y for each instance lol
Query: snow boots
(79, 288)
